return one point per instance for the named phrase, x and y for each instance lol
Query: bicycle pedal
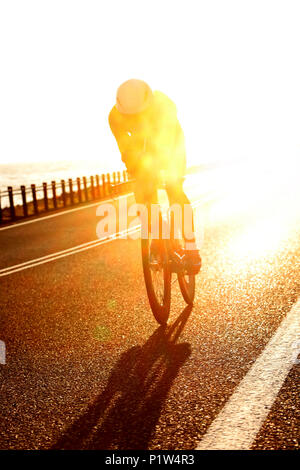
(155, 266)
(176, 263)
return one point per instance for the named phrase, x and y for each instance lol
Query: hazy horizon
(231, 67)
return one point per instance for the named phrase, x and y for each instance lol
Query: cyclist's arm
(130, 148)
(119, 133)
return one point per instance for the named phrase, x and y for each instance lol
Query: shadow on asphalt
(124, 416)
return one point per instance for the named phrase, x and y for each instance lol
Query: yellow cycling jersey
(152, 136)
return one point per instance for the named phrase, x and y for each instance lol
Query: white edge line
(236, 426)
(73, 250)
(59, 255)
(48, 256)
(63, 212)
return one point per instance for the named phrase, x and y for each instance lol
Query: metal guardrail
(23, 202)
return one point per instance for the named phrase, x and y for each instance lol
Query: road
(88, 367)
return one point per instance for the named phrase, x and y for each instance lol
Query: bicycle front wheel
(158, 280)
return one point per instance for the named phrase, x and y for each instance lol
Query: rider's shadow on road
(125, 414)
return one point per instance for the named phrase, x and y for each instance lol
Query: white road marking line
(64, 253)
(64, 212)
(237, 425)
(73, 250)
(32, 261)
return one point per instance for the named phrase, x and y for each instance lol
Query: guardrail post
(79, 190)
(124, 176)
(71, 191)
(11, 203)
(108, 183)
(85, 189)
(63, 192)
(53, 184)
(118, 177)
(103, 185)
(98, 186)
(25, 208)
(114, 178)
(92, 187)
(34, 199)
(45, 190)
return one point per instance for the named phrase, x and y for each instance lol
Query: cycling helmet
(133, 96)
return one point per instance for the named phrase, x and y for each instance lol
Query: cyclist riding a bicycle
(151, 140)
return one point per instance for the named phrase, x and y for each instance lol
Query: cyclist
(150, 140)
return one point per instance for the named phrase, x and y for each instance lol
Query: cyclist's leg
(175, 171)
(176, 195)
(145, 192)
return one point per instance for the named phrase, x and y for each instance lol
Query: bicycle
(158, 275)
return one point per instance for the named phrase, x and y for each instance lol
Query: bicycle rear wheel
(187, 286)
(158, 280)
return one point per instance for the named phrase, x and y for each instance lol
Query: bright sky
(232, 68)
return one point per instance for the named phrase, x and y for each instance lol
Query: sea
(17, 174)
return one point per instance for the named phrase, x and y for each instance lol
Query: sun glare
(261, 240)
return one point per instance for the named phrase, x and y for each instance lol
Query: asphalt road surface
(84, 365)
